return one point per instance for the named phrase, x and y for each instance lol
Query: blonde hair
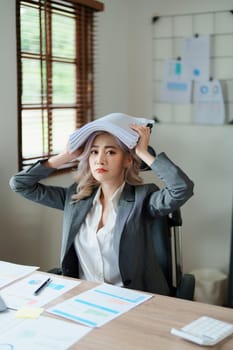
(86, 183)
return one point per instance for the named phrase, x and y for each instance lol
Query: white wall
(30, 233)
(204, 152)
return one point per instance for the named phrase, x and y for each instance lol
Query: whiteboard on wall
(168, 34)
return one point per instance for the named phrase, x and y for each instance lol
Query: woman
(108, 211)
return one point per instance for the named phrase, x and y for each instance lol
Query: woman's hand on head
(144, 138)
(141, 148)
(73, 155)
(64, 157)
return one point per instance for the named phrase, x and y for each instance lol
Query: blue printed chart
(21, 293)
(99, 305)
(209, 103)
(175, 88)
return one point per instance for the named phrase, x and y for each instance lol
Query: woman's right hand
(75, 154)
(62, 158)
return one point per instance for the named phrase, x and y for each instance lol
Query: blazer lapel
(80, 210)
(126, 204)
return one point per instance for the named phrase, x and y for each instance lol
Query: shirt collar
(115, 197)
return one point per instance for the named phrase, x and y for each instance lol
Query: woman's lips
(101, 170)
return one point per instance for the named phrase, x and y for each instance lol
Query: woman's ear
(128, 161)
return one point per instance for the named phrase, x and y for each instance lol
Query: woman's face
(107, 160)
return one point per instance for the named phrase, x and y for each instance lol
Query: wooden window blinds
(55, 65)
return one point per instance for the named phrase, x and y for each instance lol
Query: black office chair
(167, 238)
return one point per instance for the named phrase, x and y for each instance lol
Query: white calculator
(205, 331)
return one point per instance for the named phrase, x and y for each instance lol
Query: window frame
(84, 13)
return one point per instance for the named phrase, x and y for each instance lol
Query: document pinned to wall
(208, 103)
(196, 58)
(175, 89)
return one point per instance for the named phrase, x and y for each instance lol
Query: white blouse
(98, 251)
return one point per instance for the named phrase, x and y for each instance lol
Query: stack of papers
(117, 124)
(27, 329)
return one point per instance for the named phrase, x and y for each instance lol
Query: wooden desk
(148, 325)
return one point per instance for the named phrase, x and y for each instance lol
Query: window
(55, 63)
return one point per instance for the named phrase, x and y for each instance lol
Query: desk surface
(148, 325)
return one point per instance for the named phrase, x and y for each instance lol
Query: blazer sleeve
(27, 184)
(178, 188)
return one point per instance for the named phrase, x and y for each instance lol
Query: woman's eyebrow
(107, 146)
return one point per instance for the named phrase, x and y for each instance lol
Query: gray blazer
(138, 208)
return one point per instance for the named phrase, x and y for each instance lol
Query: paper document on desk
(99, 305)
(21, 293)
(38, 334)
(10, 272)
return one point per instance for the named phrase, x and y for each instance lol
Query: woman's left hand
(144, 138)
(141, 148)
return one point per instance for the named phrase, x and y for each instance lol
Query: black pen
(44, 284)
